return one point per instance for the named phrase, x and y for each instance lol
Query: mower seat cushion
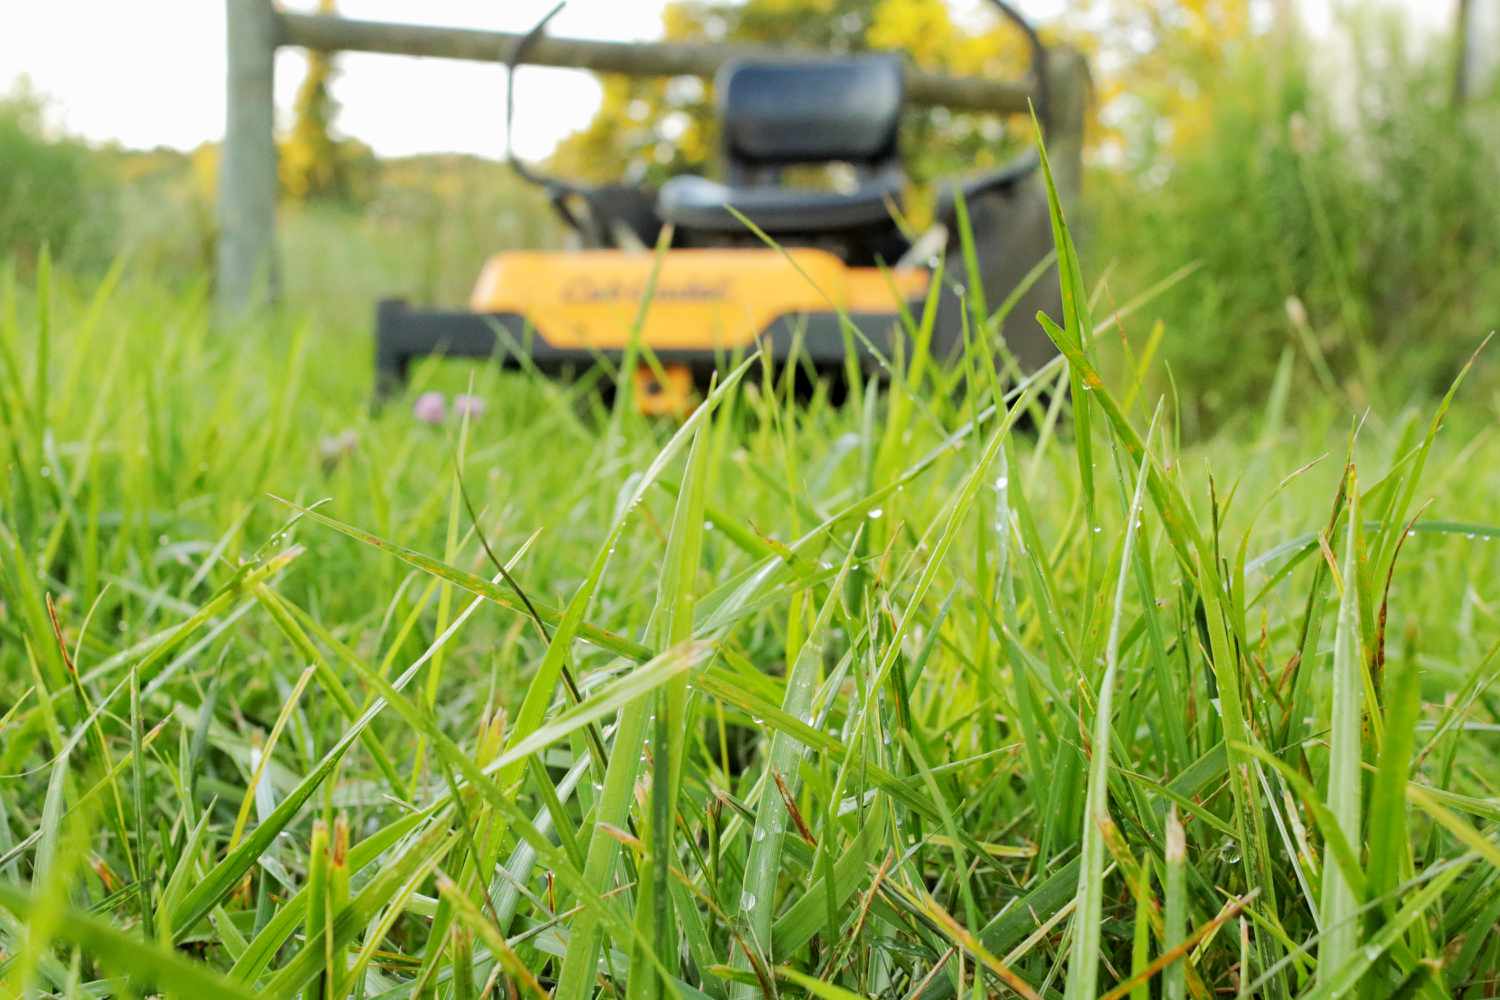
(781, 111)
(698, 203)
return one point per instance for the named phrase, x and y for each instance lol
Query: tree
(313, 164)
(55, 193)
(1154, 65)
(1164, 58)
(650, 128)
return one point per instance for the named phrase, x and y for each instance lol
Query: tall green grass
(1332, 209)
(881, 699)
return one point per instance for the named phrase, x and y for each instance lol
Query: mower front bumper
(816, 339)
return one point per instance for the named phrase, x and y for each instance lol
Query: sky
(151, 72)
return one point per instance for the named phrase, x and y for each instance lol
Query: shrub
(53, 193)
(1342, 224)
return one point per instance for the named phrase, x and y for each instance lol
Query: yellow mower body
(695, 300)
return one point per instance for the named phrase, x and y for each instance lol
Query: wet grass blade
(1338, 906)
(128, 954)
(1083, 961)
(764, 864)
(1341, 981)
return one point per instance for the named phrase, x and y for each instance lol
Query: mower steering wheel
(558, 190)
(1043, 103)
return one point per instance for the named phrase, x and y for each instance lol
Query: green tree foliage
(651, 128)
(52, 191)
(314, 163)
(1159, 65)
(1155, 64)
(1337, 235)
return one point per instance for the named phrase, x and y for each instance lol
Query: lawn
(961, 686)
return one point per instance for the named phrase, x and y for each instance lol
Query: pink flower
(336, 448)
(430, 408)
(465, 405)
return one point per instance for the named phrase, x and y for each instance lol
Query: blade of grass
(1338, 905)
(141, 959)
(1083, 961)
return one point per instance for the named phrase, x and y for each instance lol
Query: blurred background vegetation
(1337, 220)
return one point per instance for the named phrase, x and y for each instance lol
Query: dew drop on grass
(747, 901)
(876, 513)
(760, 834)
(1229, 852)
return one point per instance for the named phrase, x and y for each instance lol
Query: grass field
(993, 692)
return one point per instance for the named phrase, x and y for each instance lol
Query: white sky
(151, 72)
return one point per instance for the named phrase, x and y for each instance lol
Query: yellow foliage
(205, 169)
(313, 163)
(1155, 62)
(920, 27)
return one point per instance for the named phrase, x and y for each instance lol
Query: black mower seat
(777, 113)
(699, 203)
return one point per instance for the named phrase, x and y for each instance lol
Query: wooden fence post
(247, 275)
(1478, 62)
(1068, 93)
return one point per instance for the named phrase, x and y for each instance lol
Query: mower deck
(568, 311)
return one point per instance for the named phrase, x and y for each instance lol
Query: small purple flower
(430, 408)
(334, 449)
(466, 405)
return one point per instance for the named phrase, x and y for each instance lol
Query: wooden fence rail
(247, 272)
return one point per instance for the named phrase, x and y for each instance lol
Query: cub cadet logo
(584, 290)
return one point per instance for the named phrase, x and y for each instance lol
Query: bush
(52, 191)
(1344, 226)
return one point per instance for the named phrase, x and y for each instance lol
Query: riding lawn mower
(815, 278)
